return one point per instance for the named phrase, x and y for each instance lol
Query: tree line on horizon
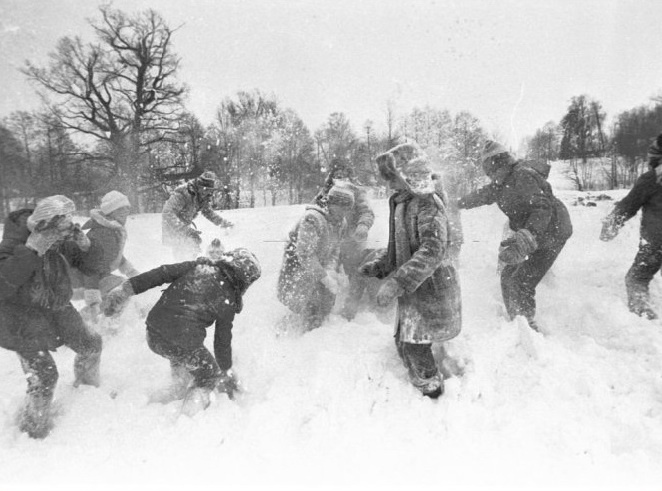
(114, 116)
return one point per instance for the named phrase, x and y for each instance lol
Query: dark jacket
(32, 288)
(108, 238)
(526, 198)
(646, 194)
(181, 209)
(430, 310)
(199, 295)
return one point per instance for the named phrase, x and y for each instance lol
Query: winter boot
(197, 399)
(86, 369)
(638, 298)
(35, 420)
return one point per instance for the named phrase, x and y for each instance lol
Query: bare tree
(121, 90)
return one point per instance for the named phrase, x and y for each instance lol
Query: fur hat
(401, 160)
(206, 180)
(340, 195)
(48, 210)
(113, 200)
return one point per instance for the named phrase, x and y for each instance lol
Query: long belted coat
(430, 310)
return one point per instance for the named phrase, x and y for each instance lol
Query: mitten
(610, 227)
(370, 268)
(515, 249)
(229, 383)
(92, 297)
(117, 298)
(194, 234)
(80, 238)
(388, 292)
(361, 233)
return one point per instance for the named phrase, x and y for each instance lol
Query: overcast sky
(514, 64)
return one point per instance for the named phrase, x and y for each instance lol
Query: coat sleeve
(362, 209)
(483, 196)
(172, 207)
(307, 242)
(433, 234)
(541, 208)
(223, 342)
(645, 187)
(212, 216)
(17, 269)
(158, 276)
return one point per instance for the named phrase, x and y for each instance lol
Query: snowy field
(577, 408)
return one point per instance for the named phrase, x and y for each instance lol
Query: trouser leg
(42, 375)
(646, 264)
(519, 282)
(199, 363)
(318, 307)
(421, 366)
(84, 341)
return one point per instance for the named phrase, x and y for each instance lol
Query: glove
(92, 297)
(388, 292)
(117, 298)
(610, 227)
(515, 249)
(370, 269)
(331, 282)
(229, 383)
(361, 233)
(44, 240)
(194, 234)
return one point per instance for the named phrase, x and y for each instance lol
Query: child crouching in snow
(201, 292)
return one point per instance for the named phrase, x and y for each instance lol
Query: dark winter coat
(32, 288)
(312, 248)
(108, 238)
(646, 194)
(526, 198)
(430, 310)
(199, 295)
(181, 209)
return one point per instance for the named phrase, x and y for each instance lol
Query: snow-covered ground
(577, 408)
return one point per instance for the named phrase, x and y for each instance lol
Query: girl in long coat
(417, 266)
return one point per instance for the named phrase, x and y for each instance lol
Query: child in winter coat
(647, 195)
(107, 233)
(540, 223)
(180, 210)
(359, 221)
(36, 315)
(417, 267)
(308, 280)
(203, 292)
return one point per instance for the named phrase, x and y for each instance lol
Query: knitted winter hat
(340, 195)
(492, 149)
(49, 209)
(246, 265)
(206, 180)
(655, 152)
(114, 200)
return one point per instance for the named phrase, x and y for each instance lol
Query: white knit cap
(49, 208)
(114, 200)
(492, 149)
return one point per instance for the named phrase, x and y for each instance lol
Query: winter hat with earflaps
(403, 161)
(655, 153)
(113, 200)
(49, 212)
(206, 180)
